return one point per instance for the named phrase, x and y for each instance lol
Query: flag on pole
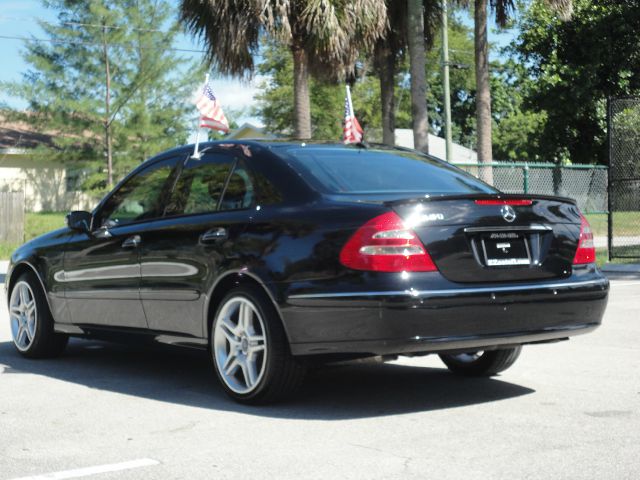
(211, 113)
(352, 131)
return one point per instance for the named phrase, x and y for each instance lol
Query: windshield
(365, 171)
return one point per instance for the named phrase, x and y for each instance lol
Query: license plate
(505, 249)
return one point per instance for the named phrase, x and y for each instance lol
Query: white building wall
(437, 147)
(45, 188)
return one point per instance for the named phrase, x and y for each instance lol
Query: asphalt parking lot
(566, 410)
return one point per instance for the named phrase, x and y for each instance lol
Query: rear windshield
(351, 171)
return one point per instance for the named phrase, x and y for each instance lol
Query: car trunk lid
(496, 237)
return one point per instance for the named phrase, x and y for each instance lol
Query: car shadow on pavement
(333, 393)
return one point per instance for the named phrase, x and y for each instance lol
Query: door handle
(132, 242)
(214, 235)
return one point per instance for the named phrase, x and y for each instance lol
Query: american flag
(211, 112)
(352, 131)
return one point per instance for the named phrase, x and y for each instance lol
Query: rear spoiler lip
(478, 196)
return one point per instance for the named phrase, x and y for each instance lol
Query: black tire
(486, 364)
(46, 343)
(282, 374)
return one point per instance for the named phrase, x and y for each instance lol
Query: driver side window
(140, 197)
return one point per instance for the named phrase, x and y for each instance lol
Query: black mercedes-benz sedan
(274, 256)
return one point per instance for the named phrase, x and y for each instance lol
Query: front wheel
(250, 350)
(31, 321)
(481, 364)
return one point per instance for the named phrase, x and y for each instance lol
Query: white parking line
(85, 472)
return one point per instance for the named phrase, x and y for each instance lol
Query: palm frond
(229, 30)
(503, 9)
(564, 8)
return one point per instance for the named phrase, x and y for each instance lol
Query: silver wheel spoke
(244, 317)
(230, 365)
(31, 307)
(252, 371)
(30, 327)
(229, 332)
(15, 311)
(22, 335)
(24, 295)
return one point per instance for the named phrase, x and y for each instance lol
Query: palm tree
(417, 65)
(503, 9)
(390, 50)
(324, 36)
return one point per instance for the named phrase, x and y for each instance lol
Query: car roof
(278, 146)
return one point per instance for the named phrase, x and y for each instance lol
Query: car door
(199, 236)
(102, 268)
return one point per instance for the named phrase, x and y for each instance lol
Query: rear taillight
(384, 244)
(586, 252)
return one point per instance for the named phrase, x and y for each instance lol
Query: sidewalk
(621, 271)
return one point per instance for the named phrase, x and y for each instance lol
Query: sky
(19, 18)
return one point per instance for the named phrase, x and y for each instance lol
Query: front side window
(140, 197)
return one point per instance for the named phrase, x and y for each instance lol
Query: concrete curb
(621, 267)
(4, 266)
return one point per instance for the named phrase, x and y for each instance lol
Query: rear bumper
(443, 319)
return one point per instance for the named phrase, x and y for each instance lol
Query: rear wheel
(31, 321)
(250, 350)
(483, 363)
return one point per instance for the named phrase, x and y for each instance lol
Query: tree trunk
(107, 109)
(483, 90)
(301, 97)
(386, 73)
(415, 23)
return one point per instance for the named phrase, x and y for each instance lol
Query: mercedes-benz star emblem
(508, 213)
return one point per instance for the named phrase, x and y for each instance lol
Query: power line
(80, 42)
(80, 24)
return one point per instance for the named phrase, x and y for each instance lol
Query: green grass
(624, 223)
(35, 225)
(38, 223)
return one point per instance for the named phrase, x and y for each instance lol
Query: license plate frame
(506, 249)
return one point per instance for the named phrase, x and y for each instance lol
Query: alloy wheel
(23, 315)
(239, 345)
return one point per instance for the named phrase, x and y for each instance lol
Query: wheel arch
(19, 269)
(227, 282)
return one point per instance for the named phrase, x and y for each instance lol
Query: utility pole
(445, 79)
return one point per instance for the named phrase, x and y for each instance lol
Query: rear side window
(345, 170)
(218, 181)
(200, 185)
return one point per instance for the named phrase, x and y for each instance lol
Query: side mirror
(79, 220)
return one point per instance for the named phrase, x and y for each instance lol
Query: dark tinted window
(200, 185)
(345, 170)
(266, 193)
(139, 198)
(239, 192)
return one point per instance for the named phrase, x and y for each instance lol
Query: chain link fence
(624, 178)
(587, 184)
